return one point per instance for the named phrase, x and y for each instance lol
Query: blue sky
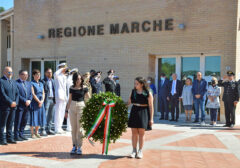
(6, 4)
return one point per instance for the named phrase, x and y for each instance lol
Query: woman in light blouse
(213, 102)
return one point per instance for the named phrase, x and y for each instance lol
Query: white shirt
(69, 83)
(49, 83)
(174, 84)
(60, 81)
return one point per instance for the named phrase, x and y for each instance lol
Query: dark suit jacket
(110, 85)
(47, 89)
(239, 88)
(163, 91)
(178, 88)
(201, 90)
(96, 87)
(24, 95)
(8, 93)
(118, 89)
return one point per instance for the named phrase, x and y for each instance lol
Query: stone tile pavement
(168, 145)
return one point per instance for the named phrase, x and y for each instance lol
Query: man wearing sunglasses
(9, 96)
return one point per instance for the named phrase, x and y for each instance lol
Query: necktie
(24, 87)
(10, 83)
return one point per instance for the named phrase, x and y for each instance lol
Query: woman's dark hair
(75, 78)
(35, 71)
(142, 81)
(110, 71)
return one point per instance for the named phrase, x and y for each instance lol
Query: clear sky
(6, 4)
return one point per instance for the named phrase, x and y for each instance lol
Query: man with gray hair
(174, 94)
(199, 89)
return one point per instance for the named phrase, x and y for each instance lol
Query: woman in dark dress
(38, 116)
(141, 116)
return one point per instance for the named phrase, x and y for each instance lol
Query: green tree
(2, 9)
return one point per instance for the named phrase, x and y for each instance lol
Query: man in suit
(199, 89)
(174, 94)
(96, 83)
(49, 101)
(110, 84)
(23, 109)
(230, 97)
(60, 81)
(9, 97)
(163, 92)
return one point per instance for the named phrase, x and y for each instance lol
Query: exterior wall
(3, 45)
(210, 29)
(237, 72)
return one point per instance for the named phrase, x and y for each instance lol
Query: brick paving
(168, 145)
(4, 164)
(176, 159)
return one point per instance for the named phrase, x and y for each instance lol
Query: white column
(178, 66)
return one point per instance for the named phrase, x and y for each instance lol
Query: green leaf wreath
(119, 116)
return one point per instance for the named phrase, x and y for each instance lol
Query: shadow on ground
(64, 155)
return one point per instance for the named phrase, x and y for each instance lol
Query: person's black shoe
(161, 118)
(166, 118)
(195, 121)
(172, 120)
(18, 139)
(11, 141)
(50, 132)
(176, 120)
(226, 125)
(23, 137)
(3, 142)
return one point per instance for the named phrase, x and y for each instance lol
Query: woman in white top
(213, 102)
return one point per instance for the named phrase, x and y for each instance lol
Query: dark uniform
(230, 95)
(239, 87)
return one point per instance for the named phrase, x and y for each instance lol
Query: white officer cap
(74, 70)
(62, 65)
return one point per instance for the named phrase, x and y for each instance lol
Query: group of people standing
(198, 95)
(48, 102)
(63, 95)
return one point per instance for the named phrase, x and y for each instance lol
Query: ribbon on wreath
(105, 111)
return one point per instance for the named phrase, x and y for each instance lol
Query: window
(8, 41)
(213, 66)
(167, 66)
(190, 67)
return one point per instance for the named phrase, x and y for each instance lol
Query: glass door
(50, 64)
(35, 65)
(167, 66)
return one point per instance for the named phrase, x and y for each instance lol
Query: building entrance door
(167, 66)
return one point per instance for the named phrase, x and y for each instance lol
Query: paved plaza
(168, 145)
